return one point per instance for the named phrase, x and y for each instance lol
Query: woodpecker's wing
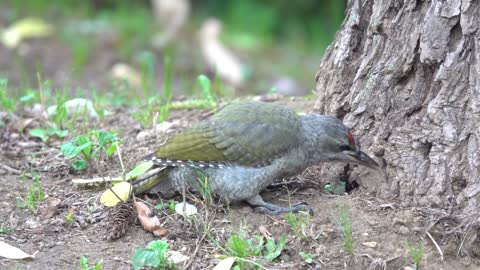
(249, 133)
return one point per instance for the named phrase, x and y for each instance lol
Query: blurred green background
(274, 39)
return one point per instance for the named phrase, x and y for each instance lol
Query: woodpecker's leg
(272, 209)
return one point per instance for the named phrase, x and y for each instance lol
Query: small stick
(120, 157)
(96, 180)
(197, 245)
(436, 245)
(10, 169)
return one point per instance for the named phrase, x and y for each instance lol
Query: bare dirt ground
(380, 228)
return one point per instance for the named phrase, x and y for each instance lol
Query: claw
(272, 209)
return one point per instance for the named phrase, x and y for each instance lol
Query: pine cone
(119, 219)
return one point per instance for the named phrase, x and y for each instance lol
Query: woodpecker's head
(333, 142)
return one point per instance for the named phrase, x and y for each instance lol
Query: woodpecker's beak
(361, 158)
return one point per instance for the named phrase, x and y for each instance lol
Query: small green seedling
(87, 148)
(273, 249)
(45, 134)
(242, 247)
(203, 186)
(30, 97)
(69, 217)
(84, 264)
(153, 256)
(299, 223)
(417, 255)
(7, 103)
(171, 206)
(307, 257)
(33, 197)
(153, 110)
(207, 95)
(6, 230)
(345, 223)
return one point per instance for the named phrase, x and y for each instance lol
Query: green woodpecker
(247, 146)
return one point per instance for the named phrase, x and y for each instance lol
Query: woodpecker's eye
(351, 139)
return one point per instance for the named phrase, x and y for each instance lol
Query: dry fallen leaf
(151, 224)
(23, 29)
(52, 206)
(370, 244)
(225, 264)
(11, 252)
(21, 124)
(185, 209)
(176, 257)
(113, 195)
(265, 232)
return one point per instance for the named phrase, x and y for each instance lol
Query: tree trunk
(405, 76)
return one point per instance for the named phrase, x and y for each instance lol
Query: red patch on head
(350, 138)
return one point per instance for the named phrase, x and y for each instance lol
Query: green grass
(170, 206)
(69, 217)
(207, 99)
(253, 250)
(7, 103)
(134, 24)
(203, 186)
(299, 223)
(417, 254)
(84, 264)
(6, 230)
(153, 108)
(32, 195)
(298, 33)
(46, 133)
(345, 223)
(153, 256)
(307, 257)
(83, 149)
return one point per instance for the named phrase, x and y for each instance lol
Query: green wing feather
(248, 133)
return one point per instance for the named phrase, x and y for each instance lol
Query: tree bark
(405, 76)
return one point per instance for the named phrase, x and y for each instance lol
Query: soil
(380, 228)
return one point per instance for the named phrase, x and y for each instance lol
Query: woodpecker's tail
(156, 179)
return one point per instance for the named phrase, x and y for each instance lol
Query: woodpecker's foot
(272, 209)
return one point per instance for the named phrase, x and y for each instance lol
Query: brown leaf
(265, 232)
(52, 206)
(21, 124)
(151, 224)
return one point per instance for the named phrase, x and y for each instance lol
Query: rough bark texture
(405, 76)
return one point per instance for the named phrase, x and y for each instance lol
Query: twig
(436, 245)
(252, 262)
(120, 157)
(463, 240)
(29, 144)
(44, 152)
(96, 180)
(184, 197)
(10, 169)
(187, 266)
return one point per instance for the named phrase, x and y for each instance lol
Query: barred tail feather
(184, 163)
